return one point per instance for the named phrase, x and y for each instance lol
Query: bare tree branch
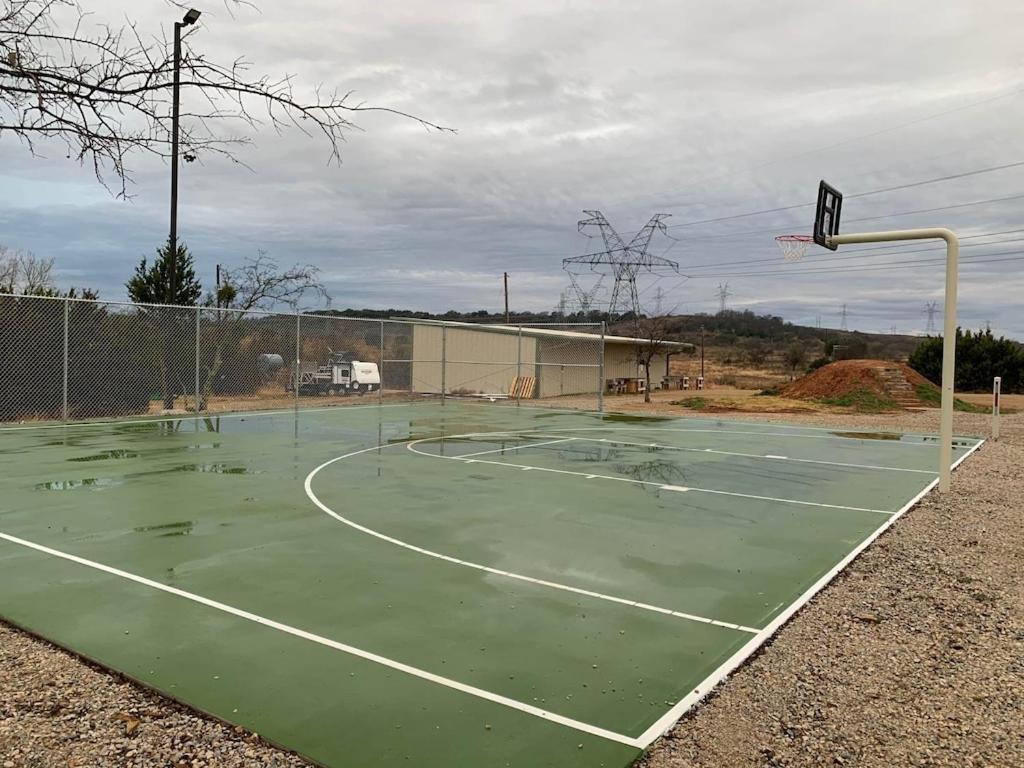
(25, 273)
(261, 284)
(107, 93)
(653, 335)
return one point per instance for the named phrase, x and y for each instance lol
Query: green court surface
(437, 584)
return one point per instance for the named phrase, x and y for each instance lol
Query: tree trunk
(647, 382)
(165, 387)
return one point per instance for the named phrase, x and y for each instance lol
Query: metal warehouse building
(487, 359)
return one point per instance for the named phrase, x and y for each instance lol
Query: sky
(699, 110)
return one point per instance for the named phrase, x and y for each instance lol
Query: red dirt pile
(890, 381)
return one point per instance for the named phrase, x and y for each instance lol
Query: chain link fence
(74, 359)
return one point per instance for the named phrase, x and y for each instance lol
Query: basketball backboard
(826, 215)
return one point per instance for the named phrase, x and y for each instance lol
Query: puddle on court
(105, 455)
(629, 418)
(870, 435)
(216, 469)
(183, 528)
(71, 485)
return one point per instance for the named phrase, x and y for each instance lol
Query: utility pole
(843, 326)
(506, 298)
(191, 17)
(702, 351)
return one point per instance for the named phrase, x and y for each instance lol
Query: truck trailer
(337, 376)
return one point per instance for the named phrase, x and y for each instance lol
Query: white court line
(669, 719)
(746, 455)
(589, 475)
(774, 434)
(384, 661)
(653, 732)
(513, 447)
(202, 416)
(486, 568)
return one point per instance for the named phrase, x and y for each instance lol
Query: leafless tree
(261, 284)
(258, 284)
(104, 92)
(653, 334)
(796, 356)
(25, 273)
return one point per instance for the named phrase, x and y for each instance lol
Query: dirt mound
(889, 382)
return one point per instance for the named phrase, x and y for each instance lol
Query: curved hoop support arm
(948, 326)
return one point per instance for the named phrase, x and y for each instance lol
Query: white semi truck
(337, 376)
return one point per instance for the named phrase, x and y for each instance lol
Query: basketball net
(794, 247)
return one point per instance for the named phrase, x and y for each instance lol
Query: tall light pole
(191, 17)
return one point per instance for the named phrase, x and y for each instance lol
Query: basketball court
(438, 584)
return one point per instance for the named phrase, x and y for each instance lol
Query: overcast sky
(696, 109)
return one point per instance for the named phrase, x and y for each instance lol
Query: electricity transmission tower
(620, 260)
(581, 299)
(563, 301)
(843, 326)
(931, 309)
(659, 297)
(723, 294)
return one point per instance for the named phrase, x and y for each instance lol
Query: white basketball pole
(997, 385)
(949, 326)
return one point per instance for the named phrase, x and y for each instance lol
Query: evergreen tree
(979, 357)
(151, 283)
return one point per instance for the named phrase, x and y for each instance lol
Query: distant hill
(744, 331)
(750, 332)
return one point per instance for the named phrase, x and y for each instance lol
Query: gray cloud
(696, 109)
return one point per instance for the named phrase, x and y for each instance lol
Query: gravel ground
(57, 711)
(913, 656)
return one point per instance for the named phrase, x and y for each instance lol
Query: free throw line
(591, 475)
(486, 568)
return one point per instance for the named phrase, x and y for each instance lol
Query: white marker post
(948, 332)
(997, 385)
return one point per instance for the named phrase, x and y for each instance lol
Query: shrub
(979, 358)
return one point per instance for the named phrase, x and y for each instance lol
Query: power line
(876, 252)
(909, 185)
(980, 259)
(989, 201)
(775, 229)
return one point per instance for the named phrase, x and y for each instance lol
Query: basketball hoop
(794, 247)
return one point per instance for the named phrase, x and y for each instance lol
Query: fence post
(517, 387)
(380, 387)
(600, 372)
(444, 360)
(298, 352)
(198, 401)
(64, 410)
(997, 385)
